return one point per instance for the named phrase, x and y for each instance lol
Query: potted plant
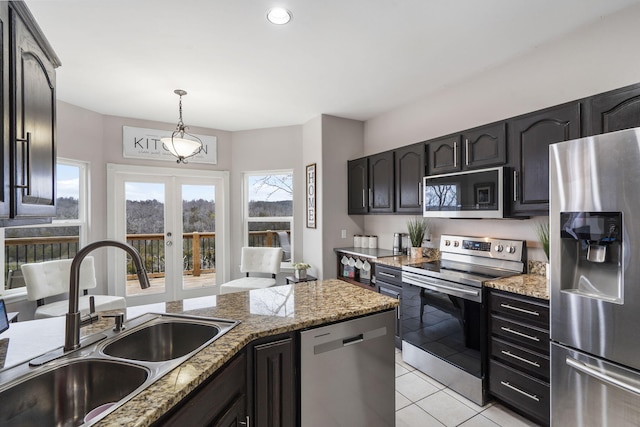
(418, 229)
(300, 270)
(542, 230)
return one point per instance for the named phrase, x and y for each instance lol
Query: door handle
(26, 165)
(601, 375)
(455, 154)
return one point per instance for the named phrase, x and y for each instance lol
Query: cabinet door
(394, 292)
(33, 135)
(444, 155)
(409, 173)
(5, 194)
(358, 186)
(274, 384)
(235, 415)
(613, 111)
(485, 146)
(381, 183)
(529, 139)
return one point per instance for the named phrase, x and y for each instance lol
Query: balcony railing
(199, 255)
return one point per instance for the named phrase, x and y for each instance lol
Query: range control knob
(510, 249)
(447, 242)
(456, 243)
(498, 248)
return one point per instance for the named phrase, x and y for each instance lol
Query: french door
(176, 219)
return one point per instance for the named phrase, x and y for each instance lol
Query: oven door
(446, 320)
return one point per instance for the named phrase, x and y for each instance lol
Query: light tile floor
(423, 402)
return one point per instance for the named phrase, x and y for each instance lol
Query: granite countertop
(262, 313)
(531, 285)
(400, 260)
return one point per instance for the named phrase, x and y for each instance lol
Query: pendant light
(181, 143)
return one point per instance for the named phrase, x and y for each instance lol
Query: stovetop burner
(473, 260)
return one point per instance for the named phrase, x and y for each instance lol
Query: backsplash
(538, 268)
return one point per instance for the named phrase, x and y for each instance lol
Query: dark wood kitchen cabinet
(272, 365)
(529, 139)
(476, 148)
(519, 369)
(389, 283)
(370, 184)
(221, 401)
(409, 171)
(613, 111)
(28, 103)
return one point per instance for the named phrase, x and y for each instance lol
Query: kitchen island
(262, 313)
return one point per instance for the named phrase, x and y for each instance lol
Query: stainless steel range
(444, 314)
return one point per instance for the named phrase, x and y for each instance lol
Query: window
(58, 240)
(269, 210)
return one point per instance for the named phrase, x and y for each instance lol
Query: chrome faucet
(73, 321)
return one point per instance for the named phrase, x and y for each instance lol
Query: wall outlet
(343, 234)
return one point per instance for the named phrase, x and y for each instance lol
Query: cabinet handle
(363, 198)
(382, 273)
(245, 423)
(370, 198)
(26, 166)
(522, 392)
(520, 334)
(419, 193)
(522, 359)
(515, 186)
(466, 151)
(521, 310)
(455, 154)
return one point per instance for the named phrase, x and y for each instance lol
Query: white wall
(261, 150)
(594, 59)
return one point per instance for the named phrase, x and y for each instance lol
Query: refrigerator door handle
(601, 375)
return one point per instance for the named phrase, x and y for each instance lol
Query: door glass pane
(145, 232)
(198, 236)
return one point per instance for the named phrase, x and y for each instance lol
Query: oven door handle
(444, 288)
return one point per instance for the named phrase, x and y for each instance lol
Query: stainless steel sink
(64, 388)
(166, 340)
(65, 394)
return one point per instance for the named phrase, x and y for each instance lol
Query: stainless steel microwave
(468, 194)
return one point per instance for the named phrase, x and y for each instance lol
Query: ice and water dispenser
(592, 254)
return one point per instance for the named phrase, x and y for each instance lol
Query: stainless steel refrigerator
(595, 280)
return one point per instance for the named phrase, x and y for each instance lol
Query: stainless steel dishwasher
(347, 373)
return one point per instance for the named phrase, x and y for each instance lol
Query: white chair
(255, 260)
(50, 278)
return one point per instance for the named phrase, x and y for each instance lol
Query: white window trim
(20, 294)
(246, 219)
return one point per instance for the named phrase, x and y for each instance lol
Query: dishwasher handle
(353, 340)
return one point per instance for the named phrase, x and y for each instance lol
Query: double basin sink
(83, 386)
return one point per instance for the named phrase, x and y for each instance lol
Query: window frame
(246, 219)
(82, 222)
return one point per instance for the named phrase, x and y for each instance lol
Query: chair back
(260, 260)
(49, 278)
(283, 236)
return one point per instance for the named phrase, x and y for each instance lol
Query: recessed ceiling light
(278, 15)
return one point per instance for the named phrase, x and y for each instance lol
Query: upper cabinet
(409, 171)
(613, 111)
(476, 148)
(371, 184)
(381, 189)
(529, 140)
(28, 102)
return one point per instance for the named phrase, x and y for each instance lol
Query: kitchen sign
(140, 143)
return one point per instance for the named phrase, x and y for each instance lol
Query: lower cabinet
(221, 401)
(519, 369)
(273, 369)
(389, 283)
(256, 388)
